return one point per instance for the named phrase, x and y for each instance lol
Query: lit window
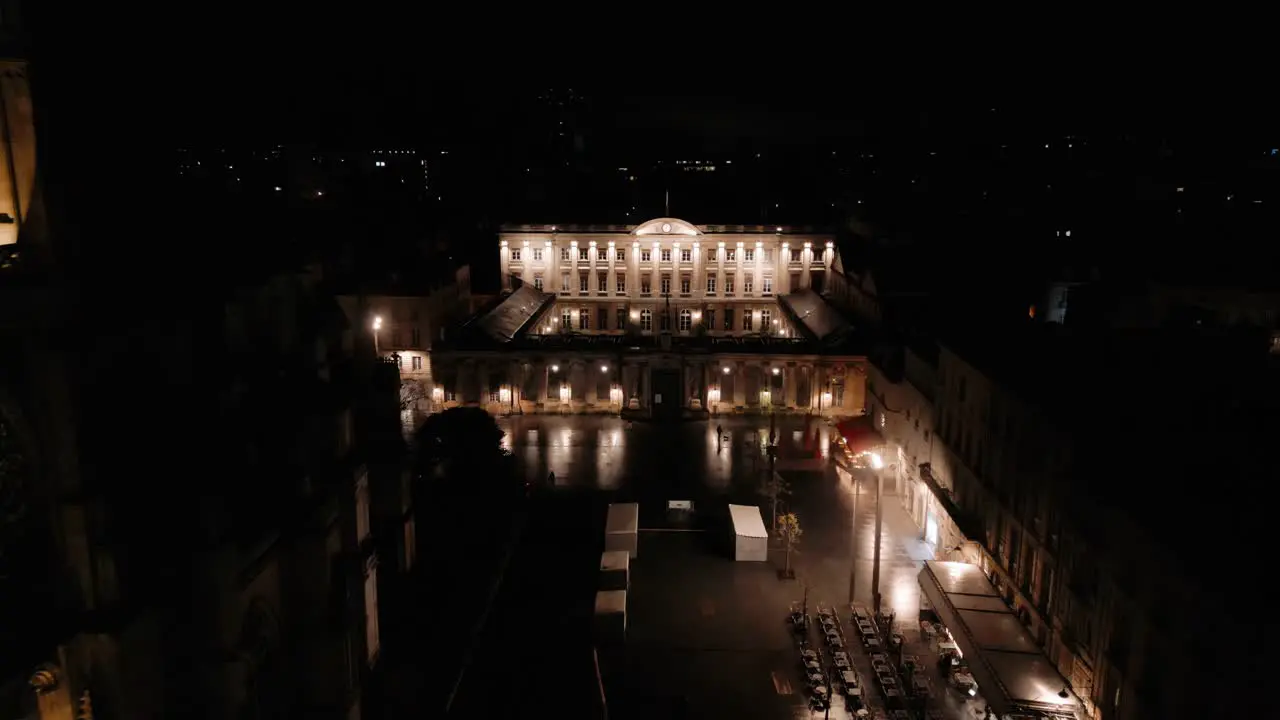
(537, 254)
(566, 318)
(746, 320)
(564, 254)
(684, 285)
(584, 319)
(730, 255)
(766, 286)
(686, 320)
(646, 319)
(711, 284)
(765, 316)
(537, 281)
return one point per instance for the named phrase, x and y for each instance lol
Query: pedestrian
(551, 478)
(719, 435)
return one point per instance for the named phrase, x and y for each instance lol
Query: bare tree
(789, 529)
(774, 487)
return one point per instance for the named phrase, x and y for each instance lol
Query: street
(687, 600)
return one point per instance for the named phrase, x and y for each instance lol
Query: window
(685, 284)
(417, 362)
(686, 255)
(537, 282)
(646, 256)
(495, 395)
(749, 255)
(362, 507)
(765, 317)
(711, 284)
(566, 318)
(564, 254)
(602, 283)
(584, 319)
(621, 255)
(666, 256)
(646, 320)
(766, 286)
(582, 254)
(622, 319)
(515, 254)
(602, 318)
(666, 285)
(728, 318)
(709, 319)
(582, 283)
(746, 320)
(767, 255)
(602, 254)
(537, 254)
(564, 282)
(622, 283)
(728, 284)
(416, 333)
(730, 255)
(746, 284)
(399, 361)
(410, 544)
(711, 256)
(686, 320)
(795, 256)
(646, 287)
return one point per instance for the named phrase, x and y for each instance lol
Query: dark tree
(459, 451)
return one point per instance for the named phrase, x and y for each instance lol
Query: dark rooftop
(818, 320)
(505, 322)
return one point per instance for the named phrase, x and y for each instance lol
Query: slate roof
(506, 321)
(821, 321)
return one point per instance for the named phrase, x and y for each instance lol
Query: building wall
(576, 382)
(631, 264)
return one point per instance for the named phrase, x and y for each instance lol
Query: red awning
(860, 434)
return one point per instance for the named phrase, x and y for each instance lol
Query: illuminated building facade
(664, 318)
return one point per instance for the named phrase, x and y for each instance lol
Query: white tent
(751, 540)
(621, 530)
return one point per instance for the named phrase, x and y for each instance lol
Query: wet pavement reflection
(614, 460)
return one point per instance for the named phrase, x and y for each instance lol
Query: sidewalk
(823, 500)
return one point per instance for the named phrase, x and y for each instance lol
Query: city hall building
(665, 318)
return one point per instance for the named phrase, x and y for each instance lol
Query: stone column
(789, 384)
(504, 264)
(739, 384)
(699, 280)
(542, 369)
(806, 259)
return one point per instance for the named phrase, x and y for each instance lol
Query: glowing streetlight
(377, 325)
(604, 368)
(877, 462)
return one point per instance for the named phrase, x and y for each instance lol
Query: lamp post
(877, 463)
(377, 325)
(853, 539)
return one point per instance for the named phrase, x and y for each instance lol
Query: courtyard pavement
(706, 636)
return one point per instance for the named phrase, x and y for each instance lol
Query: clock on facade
(666, 227)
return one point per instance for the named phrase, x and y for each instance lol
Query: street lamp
(377, 325)
(877, 464)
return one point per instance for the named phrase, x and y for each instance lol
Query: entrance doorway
(666, 398)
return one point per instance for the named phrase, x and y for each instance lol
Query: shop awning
(1013, 675)
(860, 434)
